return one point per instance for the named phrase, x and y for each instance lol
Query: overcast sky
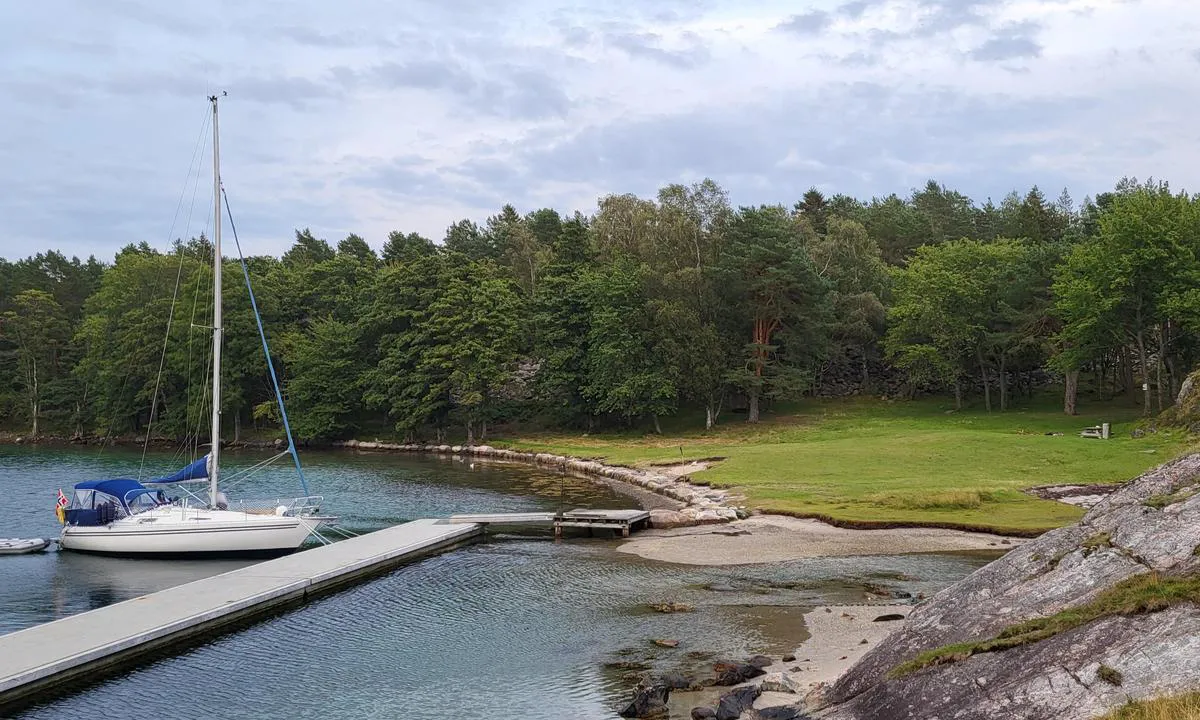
(374, 115)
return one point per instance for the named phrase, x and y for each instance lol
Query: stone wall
(701, 505)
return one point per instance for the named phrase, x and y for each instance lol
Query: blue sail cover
(196, 471)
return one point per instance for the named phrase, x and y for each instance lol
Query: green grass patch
(865, 462)
(1112, 676)
(1096, 542)
(1140, 594)
(1175, 707)
(1161, 501)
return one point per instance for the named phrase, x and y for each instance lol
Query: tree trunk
(657, 427)
(1127, 373)
(1072, 390)
(709, 419)
(237, 427)
(483, 431)
(753, 416)
(34, 399)
(957, 395)
(1158, 368)
(1143, 362)
(470, 433)
(866, 374)
(1172, 380)
(987, 389)
(1003, 378)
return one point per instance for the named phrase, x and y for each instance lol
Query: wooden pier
(620, 521)
(83, 648)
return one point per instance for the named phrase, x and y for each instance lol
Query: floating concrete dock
(621, 521)
(96, 644)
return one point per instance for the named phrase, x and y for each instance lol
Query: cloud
(813, 22)
(506, 90)
(1011, 42)
(649, 46)
(856, 8)
(377, 116)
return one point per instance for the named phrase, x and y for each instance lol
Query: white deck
(73, 644)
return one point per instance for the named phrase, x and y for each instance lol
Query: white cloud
(378, 116)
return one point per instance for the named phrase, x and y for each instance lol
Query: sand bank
(776, 538)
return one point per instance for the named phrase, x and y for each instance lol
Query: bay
(518, 626)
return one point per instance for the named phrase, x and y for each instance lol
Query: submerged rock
(1150, 525)
(676, 681)
(672, 607)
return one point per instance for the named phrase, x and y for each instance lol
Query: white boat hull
(176, 531)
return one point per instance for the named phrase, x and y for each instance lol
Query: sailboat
(123, 516)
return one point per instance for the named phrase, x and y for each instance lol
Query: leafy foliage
(642, 309)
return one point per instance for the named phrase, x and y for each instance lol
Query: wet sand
(836, 642)
(776, 538)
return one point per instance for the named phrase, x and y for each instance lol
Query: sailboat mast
(216, 364)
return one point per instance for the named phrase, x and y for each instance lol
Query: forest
(643, 309)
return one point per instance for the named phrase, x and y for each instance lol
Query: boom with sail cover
(196, 471)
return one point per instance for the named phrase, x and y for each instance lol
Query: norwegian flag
(62, 499)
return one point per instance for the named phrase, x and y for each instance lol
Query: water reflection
(368, 491)
(515, 629)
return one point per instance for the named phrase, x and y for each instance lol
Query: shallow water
(514, 627)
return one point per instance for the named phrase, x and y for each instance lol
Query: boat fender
(281, 510)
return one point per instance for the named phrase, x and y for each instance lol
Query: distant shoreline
(659, 487)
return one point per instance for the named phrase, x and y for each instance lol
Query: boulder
(648, 702)
(760, 661)
(779, 712)
(1149, 525)
(676, 681)
(735, 702)
(665, 519)
(703, 713)
(735, 673)
(780, 682)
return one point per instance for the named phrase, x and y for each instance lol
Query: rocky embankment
(695, 504)
(1068, 626)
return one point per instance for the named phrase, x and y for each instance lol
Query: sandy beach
(838, 634)
(776, 538)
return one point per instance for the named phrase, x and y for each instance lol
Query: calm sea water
(519, 626)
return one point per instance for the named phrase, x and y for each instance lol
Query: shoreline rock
(701, 504)
(1150, 525)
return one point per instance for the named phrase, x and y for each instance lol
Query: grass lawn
(873, 462)
(1179, 707)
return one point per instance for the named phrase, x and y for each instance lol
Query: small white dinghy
(16, 546)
